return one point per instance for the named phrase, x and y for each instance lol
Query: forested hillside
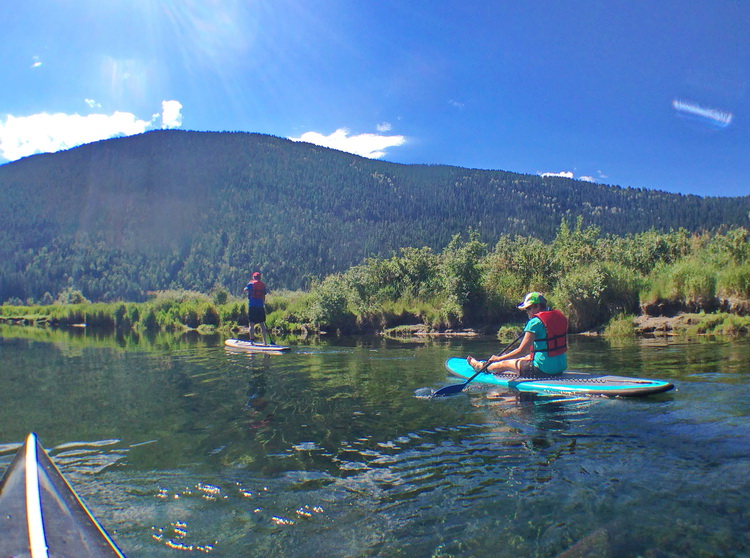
(193, 210)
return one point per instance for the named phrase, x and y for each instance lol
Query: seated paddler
(543, 348)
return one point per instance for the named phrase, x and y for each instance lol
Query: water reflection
(326, 451)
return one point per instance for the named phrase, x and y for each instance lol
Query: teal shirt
(542, 360)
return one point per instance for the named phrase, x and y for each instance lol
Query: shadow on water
(325, 451)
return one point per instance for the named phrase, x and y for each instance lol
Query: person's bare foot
(474, 363)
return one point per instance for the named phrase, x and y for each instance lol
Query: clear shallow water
(187, 448)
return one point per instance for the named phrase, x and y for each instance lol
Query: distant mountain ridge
(178, 209)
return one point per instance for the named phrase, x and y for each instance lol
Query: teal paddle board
(568, 382)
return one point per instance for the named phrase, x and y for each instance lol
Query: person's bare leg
(499, 366)
(502, 366)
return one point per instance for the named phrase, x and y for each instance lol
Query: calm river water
(181, 447)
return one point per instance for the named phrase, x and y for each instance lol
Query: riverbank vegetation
(175, 209)
(595, 279)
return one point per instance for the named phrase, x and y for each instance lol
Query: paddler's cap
(256, 275)
(531, 299)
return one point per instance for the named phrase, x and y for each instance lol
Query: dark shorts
(256, 314)
(525, 366)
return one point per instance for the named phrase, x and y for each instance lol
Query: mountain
(192, 210)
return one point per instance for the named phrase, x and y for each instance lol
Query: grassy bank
(598, 281)
(170, 311)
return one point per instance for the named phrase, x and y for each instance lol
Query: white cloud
(716, 117)
(572, 176)
(21, 136)
(564, 174)
(171, 115)
(92, 103)
(384, 127)
(371, 146)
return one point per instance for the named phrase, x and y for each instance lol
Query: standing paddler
(256, 306)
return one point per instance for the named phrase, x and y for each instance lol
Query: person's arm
(523, 349)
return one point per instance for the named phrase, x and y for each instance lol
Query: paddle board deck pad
(567, 382)
(254, 346)
(42, 516)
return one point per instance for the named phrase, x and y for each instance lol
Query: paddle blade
(450, 390)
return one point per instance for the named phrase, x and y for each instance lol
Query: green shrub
(134, 314)
(730, 248)
(71, 296)
(574, 248)
(460, 276)
(580, 293)
(231, 313)
(149, 320)
(734, 325)
(220, 296)
(210, 316)
(657, 286)
(190, 318)
(720, 324)
(508, 333)
(621, 326)
(528, 260)
(590, 295)
(734, 281)
(329, 305)
(693, 280)
(121, 313)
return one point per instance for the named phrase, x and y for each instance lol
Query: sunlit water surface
(186, 448)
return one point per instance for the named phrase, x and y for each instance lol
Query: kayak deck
(255, 347)
(41, 515)
(567, 382)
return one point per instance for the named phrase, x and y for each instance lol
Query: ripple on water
(382, 486)
(211, 516)
(88, 458)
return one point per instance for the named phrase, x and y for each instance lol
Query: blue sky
(643, 94)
